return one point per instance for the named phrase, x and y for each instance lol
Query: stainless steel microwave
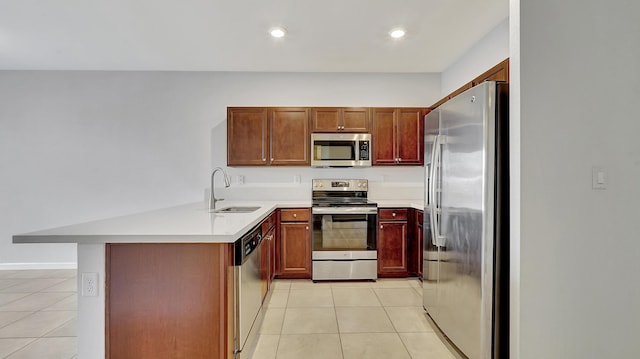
(340, 149)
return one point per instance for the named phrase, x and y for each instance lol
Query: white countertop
(190, 223)
(399, 203)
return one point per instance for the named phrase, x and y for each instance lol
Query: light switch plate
(598, 177)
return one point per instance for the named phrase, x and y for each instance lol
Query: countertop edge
(266, 208)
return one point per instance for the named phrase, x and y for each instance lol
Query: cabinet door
(355, 119)
(289, 140)
(410, 133)
(414, 261)
(247, 136)
(419, 242)
(392, 249)
(325, 119)
(383, 137)
(264, 266)
(295, 253)
(500, 72)
(272, 254)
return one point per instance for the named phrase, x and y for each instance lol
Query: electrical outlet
(89, 284)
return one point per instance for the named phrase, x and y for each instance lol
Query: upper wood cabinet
(247, 136)
(500, 72)
(398, 136)
(339, 119)
(261, 136)
(289, 139)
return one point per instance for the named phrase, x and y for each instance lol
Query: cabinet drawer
(295, 215)
(393, 214)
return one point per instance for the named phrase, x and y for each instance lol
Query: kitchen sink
(236, 210)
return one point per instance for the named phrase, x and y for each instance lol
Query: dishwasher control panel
(244, 246)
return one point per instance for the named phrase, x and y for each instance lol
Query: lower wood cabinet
(392, 242)
(414, 261)
(169, 300)
(295, 243)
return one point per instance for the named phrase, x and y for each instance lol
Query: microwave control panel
(364, 150)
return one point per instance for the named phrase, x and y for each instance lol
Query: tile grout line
(335, 313)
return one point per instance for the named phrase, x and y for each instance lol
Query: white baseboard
(57, 265)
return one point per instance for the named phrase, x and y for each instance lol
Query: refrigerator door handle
(433, 202)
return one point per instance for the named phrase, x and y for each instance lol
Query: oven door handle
(344, 210)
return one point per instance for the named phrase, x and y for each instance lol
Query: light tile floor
(383, 319)
(348, 320)
(38, 311)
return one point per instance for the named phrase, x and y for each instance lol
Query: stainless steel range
(344, 230)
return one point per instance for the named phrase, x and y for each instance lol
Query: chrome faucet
(212, 197)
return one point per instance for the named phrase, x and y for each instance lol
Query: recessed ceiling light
(278, 32)
(397, 33)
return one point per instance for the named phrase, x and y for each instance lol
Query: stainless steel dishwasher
(248, 292)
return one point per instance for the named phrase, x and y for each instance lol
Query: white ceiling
(216, 35)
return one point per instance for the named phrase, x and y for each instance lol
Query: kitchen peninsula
(165, 280)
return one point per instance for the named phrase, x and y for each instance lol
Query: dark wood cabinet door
(410, 136)
(392, 249)
(265, 266)
(414, 261)
(295, 251)
(500, 72)
(384, 136)
(419, 250)
(247, 136)
(355, 119)
(325, 119)
(289, 140)
(338, 119)
(271, 237)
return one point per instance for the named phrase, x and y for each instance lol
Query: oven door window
(340, 232)
(334, 150)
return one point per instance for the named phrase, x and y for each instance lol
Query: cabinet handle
(381, 226)
(295, 215)
(306, 227)
(393, 214)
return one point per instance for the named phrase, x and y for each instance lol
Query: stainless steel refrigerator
(466, 221)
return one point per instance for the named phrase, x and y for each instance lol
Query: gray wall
(486, 53)
(77, 146)
(579, 249)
